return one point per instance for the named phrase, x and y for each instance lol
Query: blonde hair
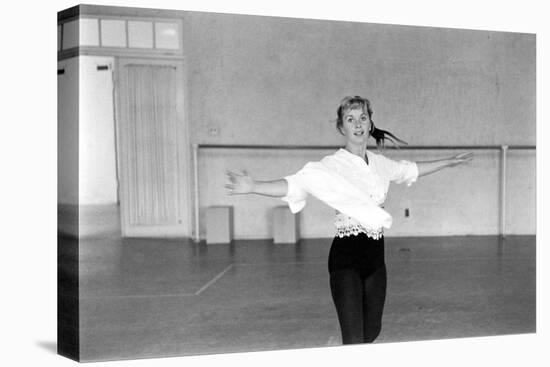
(356, 102)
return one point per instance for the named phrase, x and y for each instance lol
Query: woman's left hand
(461, 158)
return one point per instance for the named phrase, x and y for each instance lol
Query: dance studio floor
(144, 298)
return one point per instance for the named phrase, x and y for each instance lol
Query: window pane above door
(166, 35)
(113, 33)
(140, 34)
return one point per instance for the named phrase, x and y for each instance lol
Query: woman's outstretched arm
(427, 167)
(243, 183)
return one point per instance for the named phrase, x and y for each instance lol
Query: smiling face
(356, 125)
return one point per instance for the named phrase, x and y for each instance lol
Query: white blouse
(356, 190)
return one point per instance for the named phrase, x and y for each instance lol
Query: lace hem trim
(354, 230)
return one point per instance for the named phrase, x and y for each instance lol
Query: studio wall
(267, 80)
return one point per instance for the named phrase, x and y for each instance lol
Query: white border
(29, 180)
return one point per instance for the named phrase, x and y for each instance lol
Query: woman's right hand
(240, 183)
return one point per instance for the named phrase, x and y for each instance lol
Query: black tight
(359, 303)
(358, 286)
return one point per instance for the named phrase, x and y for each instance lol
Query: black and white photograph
(224, 183)
(228, 181)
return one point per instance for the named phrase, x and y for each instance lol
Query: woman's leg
(347, 293)
(374, 297)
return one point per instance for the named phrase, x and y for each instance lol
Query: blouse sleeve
(296, 195)
(401, 171)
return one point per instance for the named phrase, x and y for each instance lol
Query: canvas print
(233, 183)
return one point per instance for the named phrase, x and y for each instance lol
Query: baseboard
(82, 221)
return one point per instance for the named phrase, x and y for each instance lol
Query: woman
(355, 182)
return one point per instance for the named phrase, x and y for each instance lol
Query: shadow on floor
(50, 346)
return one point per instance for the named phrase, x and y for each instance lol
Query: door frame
(184, 161)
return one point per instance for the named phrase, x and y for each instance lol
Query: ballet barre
(503, 149)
